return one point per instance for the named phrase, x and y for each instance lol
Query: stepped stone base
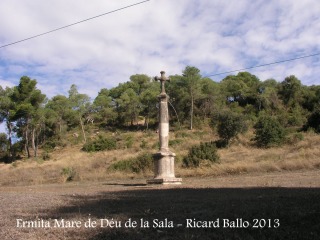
(164, 168)
(164, 181)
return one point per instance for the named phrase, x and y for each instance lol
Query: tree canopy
(35, 120)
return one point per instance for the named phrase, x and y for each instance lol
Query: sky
(213, 35)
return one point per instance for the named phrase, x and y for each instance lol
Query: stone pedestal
(164, 159)
(164, 169)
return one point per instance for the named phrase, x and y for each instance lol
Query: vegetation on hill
(270, 113)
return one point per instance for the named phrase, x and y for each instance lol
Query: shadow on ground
(126, 184)
(298, 211)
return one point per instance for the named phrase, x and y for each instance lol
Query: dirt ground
(279, 205)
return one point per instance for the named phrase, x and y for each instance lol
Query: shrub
(142, 163)
(269, 132)
(229, 125)
(197, 154)
(313, 121)
(49, 145)
(5, 158)
(122, 166)
(69, 173)
(294, 138)
(100, 144)
(129, 141)
(45, 155)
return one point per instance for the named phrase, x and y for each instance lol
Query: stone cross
(163, 80)
(164, 159)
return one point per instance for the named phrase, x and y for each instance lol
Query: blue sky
(213, 35)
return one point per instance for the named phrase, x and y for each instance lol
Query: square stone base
(164, 181)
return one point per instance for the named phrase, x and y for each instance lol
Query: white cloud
(5, 83)
(215, 36)
(2, 128)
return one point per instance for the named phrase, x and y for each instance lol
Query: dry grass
(240, 157)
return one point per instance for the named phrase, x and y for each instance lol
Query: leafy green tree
(179, 100)
(293, 95)
(242, 88)
(80, 104)
(296, 116)
(211, 99)
(7, 106)
(129, 106)
(311, 97)
(268, 98)
(291, 91)
(269, 132)
(61, 111)
(149, 100)
(191, 82)
(28, 100)
(103, 107)
(133, 98)
(120, 104)
(140, 82)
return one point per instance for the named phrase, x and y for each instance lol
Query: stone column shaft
(164, 159)
(164, 123)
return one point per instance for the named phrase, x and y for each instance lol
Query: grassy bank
(70, 163)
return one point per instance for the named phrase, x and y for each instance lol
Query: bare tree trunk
(146, 118)
(84, 134)
(26, 146)
(146, 121)
(175, 113)
(191, 112)
(60, 127)
(9, 126)
(37, 142)
(33, 139)
(34, 143)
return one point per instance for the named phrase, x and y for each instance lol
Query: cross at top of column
(162, 79)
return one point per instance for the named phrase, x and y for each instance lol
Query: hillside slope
(70, 163)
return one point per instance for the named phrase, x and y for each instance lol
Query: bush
(142, 163)
(269, 132)
(313, 121)
(69, 173)
(51, 143)
(197, 154)
(229, 125)
(45, 155)
(129, 141)
(294, 138)
(100, 144)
